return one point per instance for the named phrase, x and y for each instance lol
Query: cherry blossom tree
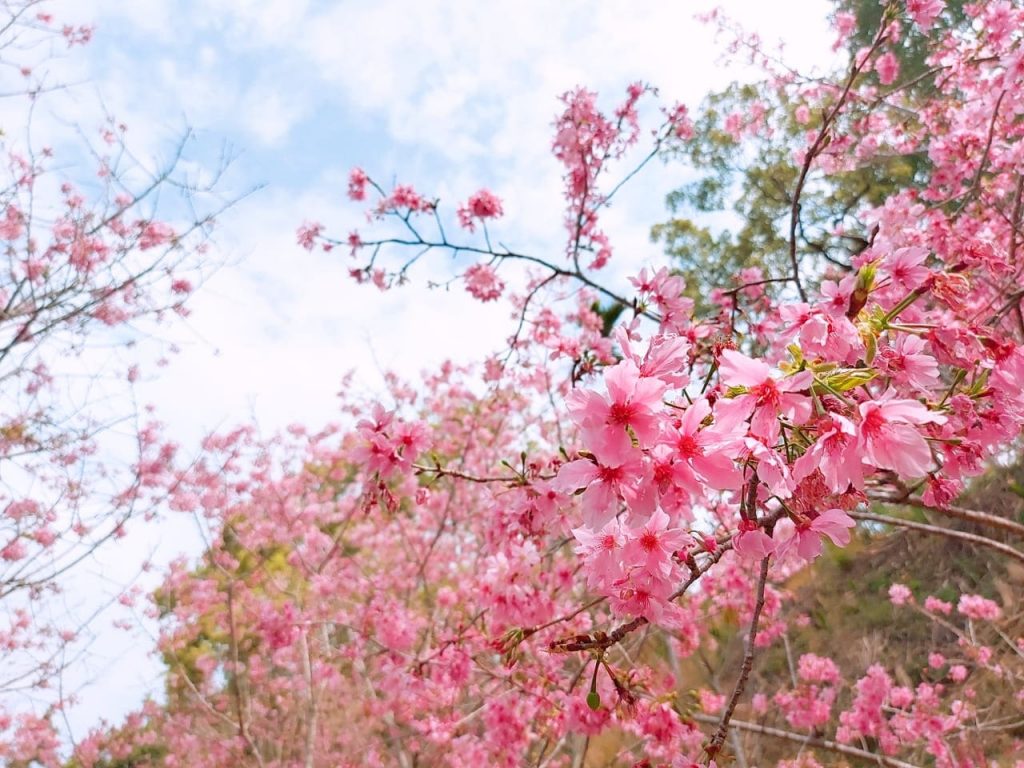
(84, 259)
(587, 550)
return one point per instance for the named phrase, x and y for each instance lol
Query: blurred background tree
(735, 214)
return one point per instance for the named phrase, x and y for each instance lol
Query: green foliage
(736, 212)
(914, 43)
(609, 315)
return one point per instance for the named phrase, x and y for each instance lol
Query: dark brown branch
(445, 472)
(715, 745)
(974, 538)
(976, 183)
(961, 513)
(602, 640)
(810, 741)
(564, 617)
(575, 274)
(236, 686)
(1015, 219)
(820, 142)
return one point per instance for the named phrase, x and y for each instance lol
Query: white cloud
(269, 112)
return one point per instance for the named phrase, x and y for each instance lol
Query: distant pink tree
(83, 258)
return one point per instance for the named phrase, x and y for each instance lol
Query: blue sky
(453, 96)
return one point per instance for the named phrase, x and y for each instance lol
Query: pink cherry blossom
(888, 67)
(766, 397)
(924, 12)
(807, 536)
(702, 453)
(665, 358)
(357, 181)
(978, 607)
(609, 422)
(900, 594)
(602, 552)
(935, 605)
(836, 454)
(751, 543)
(482, 282)
(481, 206)
(905, 268)
(907, 363)
(605, 485)
(889, 437)
(836, 295)
(650, 546)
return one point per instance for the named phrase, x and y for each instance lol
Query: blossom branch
(819, 144)
(576, 273)
(961, 513)
(974, 538)
(718, 739)
(808, 740)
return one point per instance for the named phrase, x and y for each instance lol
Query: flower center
(767, 393)
(649, 541)
(688, 447)
(621, 413)
(873, 423)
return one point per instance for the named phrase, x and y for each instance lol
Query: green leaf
(846, 379)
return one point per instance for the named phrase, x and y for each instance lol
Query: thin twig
(974, 538)
(808, 740)
(715, 745)
(961, 513)
(820, 142)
